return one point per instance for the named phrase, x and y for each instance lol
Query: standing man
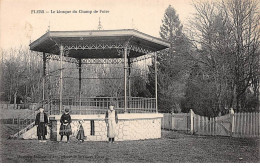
(111, 121)
(41, 122)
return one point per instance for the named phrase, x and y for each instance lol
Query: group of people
(41, 122)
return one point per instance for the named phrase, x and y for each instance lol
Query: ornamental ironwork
(139, 49)
(118, 46)
(86, 61)
(92, 46)
(102, 46)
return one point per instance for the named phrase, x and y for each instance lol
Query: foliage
(21, 75)
(173, 64)
(226, 37)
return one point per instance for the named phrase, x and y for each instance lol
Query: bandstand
(138, 116)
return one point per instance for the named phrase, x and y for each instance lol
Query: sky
(20, 22)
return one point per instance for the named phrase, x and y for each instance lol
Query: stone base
(130, 127)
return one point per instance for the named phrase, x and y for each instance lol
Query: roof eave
(127, 32)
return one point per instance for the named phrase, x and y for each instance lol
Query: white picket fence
(233, 124)
(246, 124)
(202, 125)
(176, 121)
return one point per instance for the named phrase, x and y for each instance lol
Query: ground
(14, 113)
(172, 147)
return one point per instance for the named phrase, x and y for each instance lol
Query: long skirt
(111, 129)
(41, 129)
(65, 129)
(80, 135)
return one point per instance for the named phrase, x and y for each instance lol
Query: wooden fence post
(241, 124)
(244, 124)
(251, 125)
(191, 121)
(198, 123)
(172, 121)
(258, 124)
(207, 125)
(235, 125)
(232, 112)
(187, 123)
(18, 123)
(163, 120)
(214, 126)
(210, 125)
(204, 124)
(248, 124)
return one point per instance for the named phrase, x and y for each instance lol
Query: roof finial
(133, 25)
(100, 27)
(49, 27)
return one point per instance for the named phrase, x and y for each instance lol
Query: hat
(39, 107)
(67, 110)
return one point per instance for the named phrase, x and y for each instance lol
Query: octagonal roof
(98, 43)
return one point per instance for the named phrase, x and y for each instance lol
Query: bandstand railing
(98, 105)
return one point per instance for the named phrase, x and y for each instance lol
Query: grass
(172, 147)
(14, 113)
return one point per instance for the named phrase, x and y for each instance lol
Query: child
(80, 136)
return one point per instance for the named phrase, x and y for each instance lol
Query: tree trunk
(15, 96)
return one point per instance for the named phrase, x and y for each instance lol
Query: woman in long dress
(65, 127)
(111, 121)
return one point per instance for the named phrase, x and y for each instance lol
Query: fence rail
(30, 106)
(94, 105)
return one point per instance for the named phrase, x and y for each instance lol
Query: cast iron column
(129, 73)
(43, 75)
(155, 75)
(80, 71)
(125, 78)
(61, 85)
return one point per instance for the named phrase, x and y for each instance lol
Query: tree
(21, 75)
(245, 19)
(226, 38)
(114, 85)
(139, 79)
(210, 29)
(172, 64)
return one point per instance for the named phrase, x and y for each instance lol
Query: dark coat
(41, 129)
(65, 129)
(65, 117)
